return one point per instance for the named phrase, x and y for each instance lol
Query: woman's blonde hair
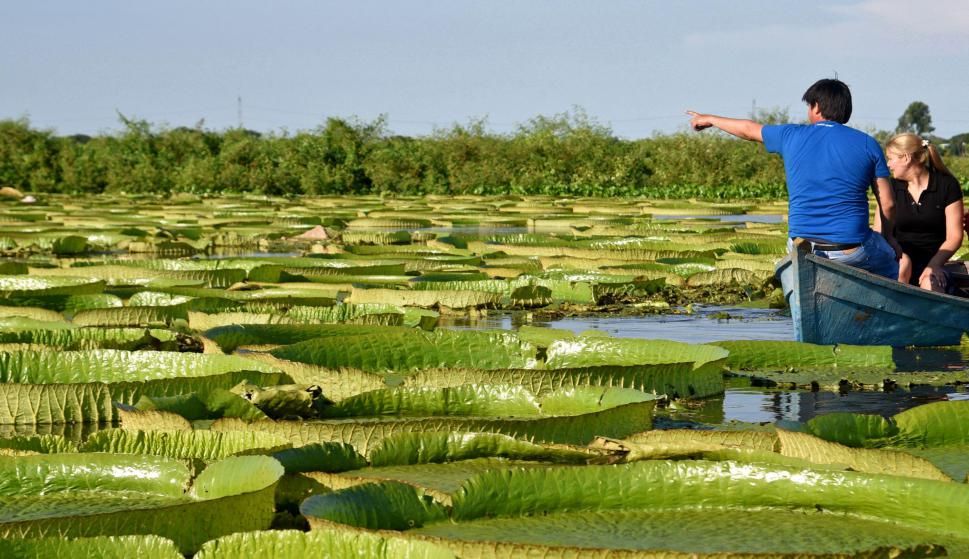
(921, 150)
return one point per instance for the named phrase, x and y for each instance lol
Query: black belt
(826, 246)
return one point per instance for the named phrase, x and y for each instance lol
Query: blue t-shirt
(829, 168)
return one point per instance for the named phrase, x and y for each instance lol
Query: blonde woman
(928, 211)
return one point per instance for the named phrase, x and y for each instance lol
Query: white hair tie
(925, 143)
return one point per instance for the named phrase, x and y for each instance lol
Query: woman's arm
(953, 240)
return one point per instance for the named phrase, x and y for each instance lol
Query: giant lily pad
(573, 416)
(79, 386)
(705, 509)
(73, 495)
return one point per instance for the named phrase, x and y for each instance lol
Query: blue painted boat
(836, 304)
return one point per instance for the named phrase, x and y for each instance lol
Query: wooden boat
(836, 304)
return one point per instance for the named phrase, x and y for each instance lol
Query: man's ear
(814, 113)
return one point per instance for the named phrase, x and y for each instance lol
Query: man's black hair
(832, 97)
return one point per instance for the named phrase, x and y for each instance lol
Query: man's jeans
(874, 255)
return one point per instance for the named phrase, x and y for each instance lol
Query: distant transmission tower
(239, 109)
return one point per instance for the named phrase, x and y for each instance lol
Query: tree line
(566, 154)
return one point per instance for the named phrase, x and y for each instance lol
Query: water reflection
(752, 405)
(733, 218)
(702, 326)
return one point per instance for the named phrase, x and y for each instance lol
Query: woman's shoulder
(945, 180)
(948, 185)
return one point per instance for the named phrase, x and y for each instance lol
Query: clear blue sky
(632, 65)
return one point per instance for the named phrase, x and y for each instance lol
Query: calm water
(734, 218)
(704, 325)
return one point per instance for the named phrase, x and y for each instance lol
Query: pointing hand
(699, 121)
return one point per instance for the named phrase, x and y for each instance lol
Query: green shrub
(563, 155)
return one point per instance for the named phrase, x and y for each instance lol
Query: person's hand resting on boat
(933, 278)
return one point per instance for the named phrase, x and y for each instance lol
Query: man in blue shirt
(829, 169)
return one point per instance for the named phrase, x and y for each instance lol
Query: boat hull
(836, 304)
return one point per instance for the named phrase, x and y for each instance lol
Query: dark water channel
(742, 402)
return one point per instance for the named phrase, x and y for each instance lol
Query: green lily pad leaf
(31, 313)
(408, 349)
(79, 386)
(813, 449)
(156, 299)
(275, 273)
(69, 245)
(425, 298)
(579, 428)
(214, 404)
(282, 401)
(585, 352)
(336, 384)
(728, 276)
(139, 420)
(777, 355)
(130, 316)
(320, 457)
(661, 366)
(543, 337)
(386, 315)
(290, 543)
(65, 336)
(24, 286)
(693, 448)
(935, 424)
(231, 337)
(76, 303)
(51, 473)
(393, 506)
(468, 400)
(672, 379)
(13, 268)
(43, 444)
(208, 321)
(952, 459)
(756, 440)
(437, 447)
(529, 296)
(851, 429)
(112, 366)
(204, 445)
(438, 480)
(103, 547)
(425, 319)
(52, 404)
(648, 506)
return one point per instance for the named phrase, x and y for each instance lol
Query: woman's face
(900, 164)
